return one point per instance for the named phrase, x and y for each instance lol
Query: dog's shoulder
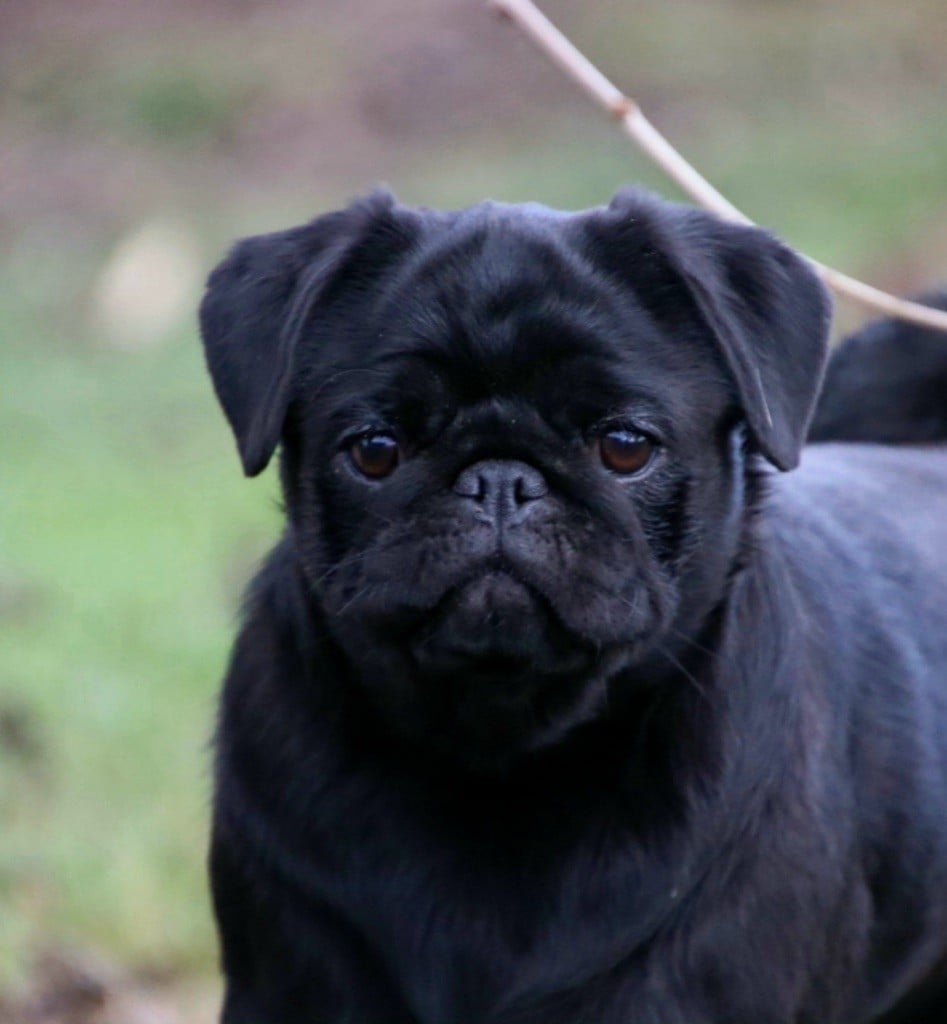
(863, 533)
(880, 497)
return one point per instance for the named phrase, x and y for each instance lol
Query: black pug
(555, 704)
(888, 383)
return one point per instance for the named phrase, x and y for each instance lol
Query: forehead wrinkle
(491, 248)
(461, 301)
(509, 358)
(495, 297)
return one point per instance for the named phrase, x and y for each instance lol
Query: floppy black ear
(766, 308)
(263, 297)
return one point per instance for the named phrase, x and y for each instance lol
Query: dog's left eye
(375, 455)
(625, 451)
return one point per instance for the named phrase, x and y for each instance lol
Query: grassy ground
(126, 533)
(126, 529)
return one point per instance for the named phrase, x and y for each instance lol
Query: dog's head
(513, 439)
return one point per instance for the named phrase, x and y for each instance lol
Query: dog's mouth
(487, 671)
(495, 629)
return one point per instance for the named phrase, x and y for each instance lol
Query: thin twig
(555, 45)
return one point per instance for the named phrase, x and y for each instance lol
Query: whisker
(689, 676)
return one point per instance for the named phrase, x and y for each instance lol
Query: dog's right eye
(375, 455)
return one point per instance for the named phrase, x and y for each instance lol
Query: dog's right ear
(269, 292)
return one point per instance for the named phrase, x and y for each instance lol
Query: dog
(566, 696)
(887, 384)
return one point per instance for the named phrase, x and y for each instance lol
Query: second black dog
(887, 383)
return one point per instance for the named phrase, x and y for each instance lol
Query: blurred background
(136, 140)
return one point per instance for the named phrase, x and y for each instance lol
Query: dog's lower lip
(497, 648)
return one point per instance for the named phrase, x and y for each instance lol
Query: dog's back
(887, 385)
(878, 442)
(890, 497)
(880, 461)
(868, 527)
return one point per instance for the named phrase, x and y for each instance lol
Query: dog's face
(513, 439)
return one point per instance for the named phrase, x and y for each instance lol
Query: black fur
(887, 383)
(508, 738)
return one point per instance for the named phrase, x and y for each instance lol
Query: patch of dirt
(68, 987)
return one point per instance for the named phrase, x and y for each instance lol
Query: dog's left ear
(768, 312)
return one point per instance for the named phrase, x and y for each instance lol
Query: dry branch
(656, 147)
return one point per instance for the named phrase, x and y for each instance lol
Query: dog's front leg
(288, 959)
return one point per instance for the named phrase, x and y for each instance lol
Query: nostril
(528, 486)
(471, 484)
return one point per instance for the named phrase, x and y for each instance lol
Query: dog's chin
(496, 675)
(491, 669)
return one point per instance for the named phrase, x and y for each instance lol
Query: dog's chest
(482, 921)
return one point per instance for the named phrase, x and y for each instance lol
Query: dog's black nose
(501, 489)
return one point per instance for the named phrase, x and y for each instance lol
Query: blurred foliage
(126, 531)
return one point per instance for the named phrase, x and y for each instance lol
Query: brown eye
(375, 455)
(625, 451)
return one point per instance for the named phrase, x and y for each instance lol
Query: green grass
(126, 531)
